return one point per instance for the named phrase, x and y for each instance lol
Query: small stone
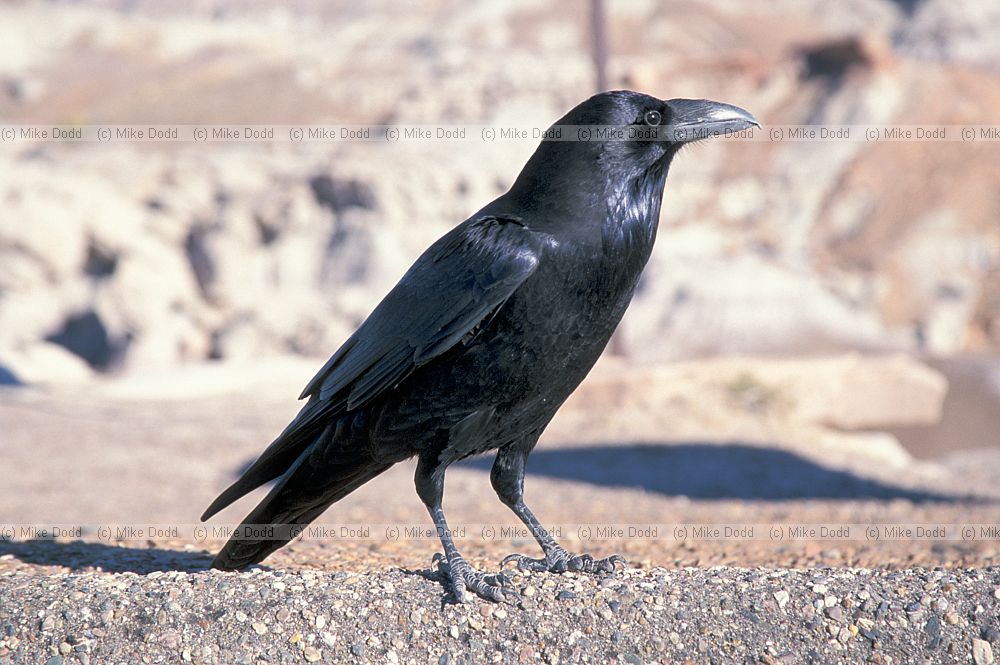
(320, 622)
(529, 591)
(835, 612)
(282, 614)
(295, 638)
(475, 624)
(500, 613)
(258, 627)
(566, 595)
(982, 652)
(781, 597)
(453, 631)
(65, 648)
(312, 654)
(819, 588)
(933, 627)
(54, 660)
(486, 611)
(358, 649)
(951, 618)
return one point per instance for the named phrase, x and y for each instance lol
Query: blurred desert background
(816, 337)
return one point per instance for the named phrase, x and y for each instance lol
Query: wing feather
(460, 281)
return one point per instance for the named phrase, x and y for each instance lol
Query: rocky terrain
(815, 341)
(688, 616)
(738, 441)
(131, 256)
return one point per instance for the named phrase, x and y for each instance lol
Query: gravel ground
(689, 615)
(159, 461)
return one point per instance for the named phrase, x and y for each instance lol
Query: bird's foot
(462, 577)
(558, 560)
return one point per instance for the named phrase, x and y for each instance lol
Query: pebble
(529, 591)
(782, 598)
(835, 612)
(566, 595)
(312, 654)
(933, 627)
(259, 627)
(951, 618)
(453, 631)
(982, 652)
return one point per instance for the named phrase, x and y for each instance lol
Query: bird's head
(631, 131)
(617, 137)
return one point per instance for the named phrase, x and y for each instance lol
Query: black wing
(458, 282)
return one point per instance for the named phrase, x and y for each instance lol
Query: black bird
(487, 334)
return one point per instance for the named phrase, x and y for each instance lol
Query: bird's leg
(491, 586)
(507, 477)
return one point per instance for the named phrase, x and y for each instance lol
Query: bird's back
(522, 364)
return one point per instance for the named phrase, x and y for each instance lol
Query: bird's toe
(463, 578)
(525, 563)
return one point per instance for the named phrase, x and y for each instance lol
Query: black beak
(696, 119)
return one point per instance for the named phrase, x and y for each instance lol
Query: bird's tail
(314, 482)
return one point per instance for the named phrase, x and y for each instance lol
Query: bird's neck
(632, 217)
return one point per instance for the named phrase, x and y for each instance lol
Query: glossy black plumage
(487, 334)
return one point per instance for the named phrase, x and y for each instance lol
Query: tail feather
(316, 470)
(295, 501)
(280, 456)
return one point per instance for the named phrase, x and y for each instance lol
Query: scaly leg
(507, 477)
(497, 587)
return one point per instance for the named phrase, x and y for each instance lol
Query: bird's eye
(652, 118)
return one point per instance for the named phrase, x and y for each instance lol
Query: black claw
(462, 577)
(559, 561)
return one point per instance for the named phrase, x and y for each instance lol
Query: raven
(486, 335)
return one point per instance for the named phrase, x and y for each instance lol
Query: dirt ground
(154, 452)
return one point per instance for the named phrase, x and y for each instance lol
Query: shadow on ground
(81, 556)
(711, 471)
